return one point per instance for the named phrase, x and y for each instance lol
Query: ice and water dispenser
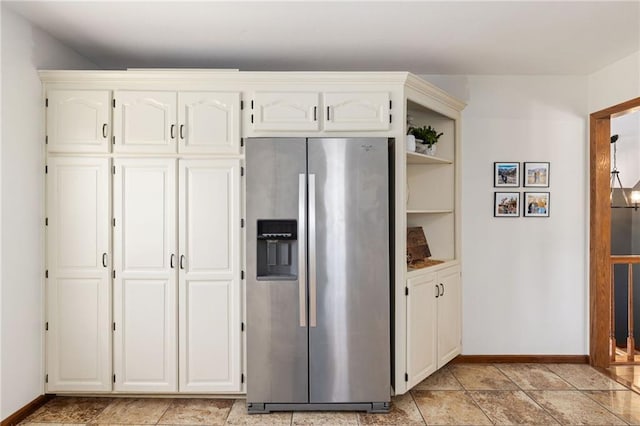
(277, 250)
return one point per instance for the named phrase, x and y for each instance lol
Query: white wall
(525, 280)
(24, 50)
(614, 84)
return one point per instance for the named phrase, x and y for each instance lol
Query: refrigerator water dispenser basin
(277, 250)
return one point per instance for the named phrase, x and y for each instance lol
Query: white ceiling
(425, 37)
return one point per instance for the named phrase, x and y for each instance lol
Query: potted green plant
(426, 139)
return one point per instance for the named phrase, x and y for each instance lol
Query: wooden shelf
(416, 158)
(428, 211)
(412, 273)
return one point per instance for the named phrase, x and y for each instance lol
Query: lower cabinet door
(421, 328)
(449, 315)
(78, 291)
(145, 283)
(209, 285)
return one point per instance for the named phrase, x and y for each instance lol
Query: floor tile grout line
(584, 392)
(171, 401)
(413, 399)
(540, 405)
(111, 401)
(455, 378)
(226, 418)
(480, 408)
(559, 376)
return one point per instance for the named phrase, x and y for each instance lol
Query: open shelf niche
(431, 185)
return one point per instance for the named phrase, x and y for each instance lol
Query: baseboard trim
(540, 359)
(26, 411)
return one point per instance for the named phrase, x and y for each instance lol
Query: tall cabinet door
(209, 285)
(209, 122)
(145, 121)
(145, 259)
(78, 288)
(422, 328)
(449, 315)
(78, 120)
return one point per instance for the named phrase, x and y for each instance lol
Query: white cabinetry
(78, 120)
(78, 286)
(422, 329)
(144, 121)
(449, 315)
(209, 295)
(145, 346)
(428, 196)
(356, 111)
(170, 122)
(209, 122)
(286, 111)
(151, 295)
(178, 330)
(434, 325)
(304, 111)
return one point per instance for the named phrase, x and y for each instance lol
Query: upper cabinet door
(356, 111)
(78, 121)
(145, 122)
(209, 122)
(286, 111)
(79, 279)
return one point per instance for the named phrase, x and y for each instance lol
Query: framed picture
(506, 204)
(536, 175)
(506, 175)
(536, 204)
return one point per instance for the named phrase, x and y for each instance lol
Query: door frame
(600, 230)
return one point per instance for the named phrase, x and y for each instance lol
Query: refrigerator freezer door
(349, 347)
(277, 348)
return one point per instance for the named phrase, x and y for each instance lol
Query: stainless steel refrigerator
(318, 289)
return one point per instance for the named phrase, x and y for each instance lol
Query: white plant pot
(411, 143)
(431, 150)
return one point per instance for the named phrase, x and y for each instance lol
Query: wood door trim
(600, 230)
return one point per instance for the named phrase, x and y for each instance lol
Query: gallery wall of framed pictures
(532, 176)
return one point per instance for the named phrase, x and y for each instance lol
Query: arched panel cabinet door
(78, 121)
(145, 122)
(285, 111)
(209, 122)
(361, 111)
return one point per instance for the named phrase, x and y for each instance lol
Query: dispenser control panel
(277, 250)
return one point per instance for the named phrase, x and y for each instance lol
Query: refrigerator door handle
(312, 250)
(302, 258)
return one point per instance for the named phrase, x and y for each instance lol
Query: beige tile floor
(460, 394)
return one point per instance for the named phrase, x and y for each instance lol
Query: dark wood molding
(26, 411)
(511, 359)
(600, 231)
(600, 241)
(618, 110)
